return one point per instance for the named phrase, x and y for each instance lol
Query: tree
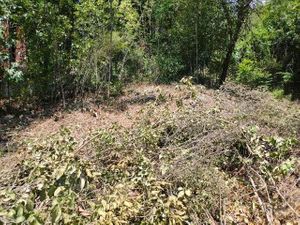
(268, 53)
(237, 13)
(180, 48)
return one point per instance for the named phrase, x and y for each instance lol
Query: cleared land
(177, 154)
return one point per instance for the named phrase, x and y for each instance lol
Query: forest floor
(194, 119)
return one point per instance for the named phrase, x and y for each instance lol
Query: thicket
(268, 53)
(74, 47)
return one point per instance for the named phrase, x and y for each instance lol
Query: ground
(234, 107)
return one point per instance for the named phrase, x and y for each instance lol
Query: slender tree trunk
(197, 45)
(110, 72)
(234, 35)
(230, 49)
(63, 94)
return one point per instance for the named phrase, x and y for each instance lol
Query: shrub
(278, 93)
(249, 73)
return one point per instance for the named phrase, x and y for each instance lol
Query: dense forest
(73, 47)
(150, 112)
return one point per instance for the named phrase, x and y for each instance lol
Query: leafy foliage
(268, 155)
(71, 44)
(248, 73)
(268, 52)
(51, 184)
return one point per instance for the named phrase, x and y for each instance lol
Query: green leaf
(58, 190)
(60, 172)
(11, 213)
(20, 219)
(56, 214)
(33, 220)
(29, 205)
(20, 210)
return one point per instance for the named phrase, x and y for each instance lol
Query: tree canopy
(74, 47)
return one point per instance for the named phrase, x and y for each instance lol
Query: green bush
(249, 73)
(271, 47)
(278, 93)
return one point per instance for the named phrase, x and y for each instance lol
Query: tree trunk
(234, 35)
(197, 47)
(230, 50)
(110, 69)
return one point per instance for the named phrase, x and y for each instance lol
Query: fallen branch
(261, 203)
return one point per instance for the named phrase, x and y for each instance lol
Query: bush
(278, 93)
(249, 73)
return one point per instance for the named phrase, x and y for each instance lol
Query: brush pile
(198, 157)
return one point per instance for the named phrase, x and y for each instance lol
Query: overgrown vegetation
(76, 47)
(269, 51)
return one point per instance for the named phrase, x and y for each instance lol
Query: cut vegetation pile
(189, 156)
